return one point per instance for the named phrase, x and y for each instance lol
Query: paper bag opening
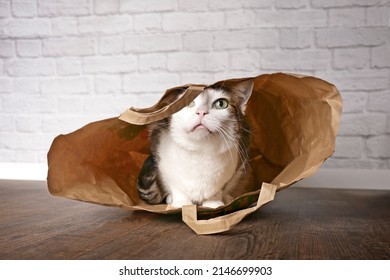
(294, 121)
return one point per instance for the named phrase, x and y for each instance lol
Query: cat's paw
(213, 203)
(180, 203)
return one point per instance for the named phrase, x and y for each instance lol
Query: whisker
(221, 133)
(240, 122)
(238, 143)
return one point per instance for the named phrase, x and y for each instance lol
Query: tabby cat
(199, 152)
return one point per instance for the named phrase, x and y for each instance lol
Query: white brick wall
(65, 63)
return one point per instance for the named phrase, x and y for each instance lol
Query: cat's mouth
(200, 127)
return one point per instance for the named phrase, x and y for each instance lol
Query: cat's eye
(221, 103)
(192, 104)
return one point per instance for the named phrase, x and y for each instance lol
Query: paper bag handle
(226, 222)
(152, 114)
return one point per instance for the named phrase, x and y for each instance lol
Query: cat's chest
(200, 169)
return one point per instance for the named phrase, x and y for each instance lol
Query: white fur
(195, 164)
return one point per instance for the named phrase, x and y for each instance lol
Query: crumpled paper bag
(294, 120)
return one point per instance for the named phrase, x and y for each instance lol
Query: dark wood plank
(300, 224)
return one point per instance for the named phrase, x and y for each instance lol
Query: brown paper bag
(294, 120)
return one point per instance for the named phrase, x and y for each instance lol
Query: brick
(67, 105)
(68, 85)
(107, 84)
(291, 4)
(232, 74)
(197, 62)
(190, 5)
(310, 18)
(7, 123)
(279, 60)
(152, 43)
(108, 25)
(7, 48)
(67, 123)
(192, 21)
(349, 17)
(240, 19)
(26, 86)
(355, 163)
(378, 146)
(378, 16)
(388, 125)
(292, 38)
(102, 104)
(109, 104)
(29, 48)
(197, 78)
(30, 67)
(258, 4)
(344, 3)
(24, 9)
(5, 9)
(349, 147)
(64, 26)
(351, 58)
(69, 46)
(351, 37)
(135, 6)
(381, 57)
(354, 102)
(28, 123)
(67, 67)
(216, 62)
(26, 141)
(147, 22)
(111, 44)
(7, 155)
(198, 41)
(156, 82)
(359, 80)
(57, 8)
(111, 64)
(230, 40)
(379, 101)
(225, 5)
(146, 100)
(27, 156)
(21, 28)
(103, 7)
(362, 124)
(280, 18)
(313, 60)
(5, 85)
(185, 61)
(286, 18)
(152, 62)
(245, 60)
(33, 104)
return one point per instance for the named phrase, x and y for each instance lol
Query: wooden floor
(301, 223)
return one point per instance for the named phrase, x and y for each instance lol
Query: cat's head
(214, 118)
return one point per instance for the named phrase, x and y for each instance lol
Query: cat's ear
(245, 87)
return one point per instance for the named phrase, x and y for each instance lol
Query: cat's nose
(201, 113)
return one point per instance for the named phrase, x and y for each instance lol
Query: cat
(199, 152)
